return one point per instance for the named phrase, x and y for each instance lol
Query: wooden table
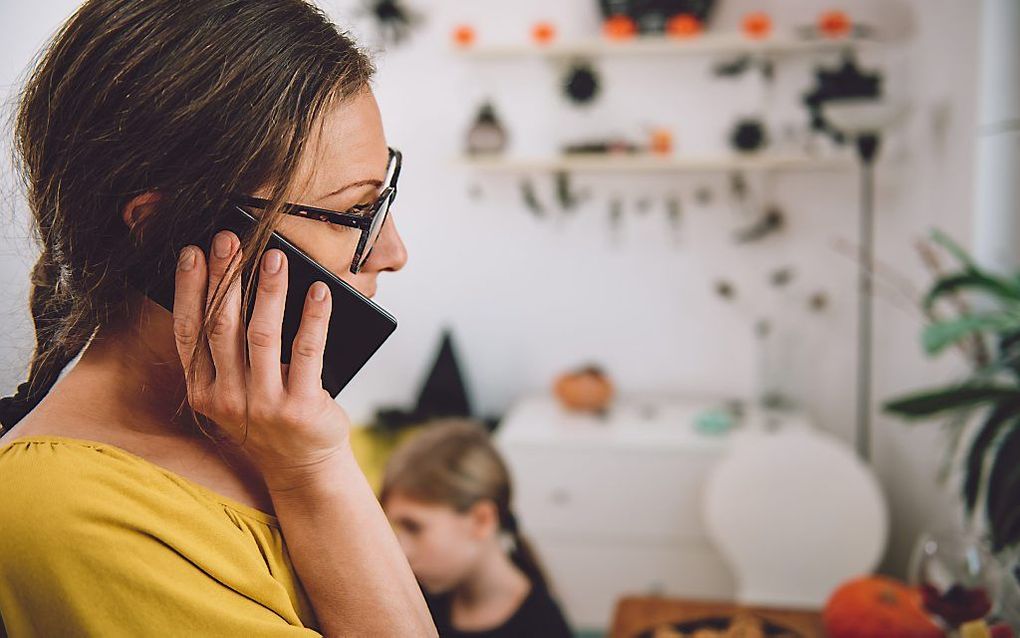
(639, 613)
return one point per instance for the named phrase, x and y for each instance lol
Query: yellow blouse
(95, 541)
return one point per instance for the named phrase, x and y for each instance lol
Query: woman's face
(342, 167)
(442, 545)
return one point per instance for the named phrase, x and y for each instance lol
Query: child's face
(442, 545)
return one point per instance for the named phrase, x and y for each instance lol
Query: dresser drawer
(589, 577)
(609, 494)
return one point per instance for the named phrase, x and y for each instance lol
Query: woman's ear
(139, 207)
(484, 519)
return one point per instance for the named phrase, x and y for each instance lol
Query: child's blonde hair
(453, 462)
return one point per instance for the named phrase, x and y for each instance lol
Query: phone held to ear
(357, 325)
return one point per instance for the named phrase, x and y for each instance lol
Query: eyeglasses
(368, 218)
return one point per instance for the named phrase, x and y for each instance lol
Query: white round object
(795, 514)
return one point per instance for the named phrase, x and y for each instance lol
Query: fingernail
(318, 291)
(221, 246)
(271, 262)
(186, 261)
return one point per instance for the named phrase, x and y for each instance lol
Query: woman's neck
(129, 377)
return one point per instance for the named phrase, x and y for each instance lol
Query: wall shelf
(706, 44)
(646, 163)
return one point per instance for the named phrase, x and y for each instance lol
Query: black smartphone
(357, 326)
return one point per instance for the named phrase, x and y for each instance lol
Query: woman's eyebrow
(364, 182)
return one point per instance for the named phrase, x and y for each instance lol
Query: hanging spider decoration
(393, 20)
(846, 81)
(582, 84)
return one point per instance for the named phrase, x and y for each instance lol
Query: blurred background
(636, 253)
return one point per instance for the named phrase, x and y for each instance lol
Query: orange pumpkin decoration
(584, 390)
(619, 27)
(543, 32)
(834, 24)
(757, 25)
(877, 607)
(662, 141)
(683, 26)
(464, 35)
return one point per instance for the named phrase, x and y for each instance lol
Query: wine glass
(957, 577)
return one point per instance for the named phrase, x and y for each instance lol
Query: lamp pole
(867, 149)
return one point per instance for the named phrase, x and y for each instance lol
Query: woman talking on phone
(177, 480)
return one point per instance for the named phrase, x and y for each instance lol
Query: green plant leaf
(931, 402)
(952, 248)
(1003, 504)
(938, 336)
(1003, 290)
(974, 467)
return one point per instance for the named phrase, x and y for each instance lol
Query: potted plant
(982, 411)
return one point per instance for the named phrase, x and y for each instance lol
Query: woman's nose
(389, 252)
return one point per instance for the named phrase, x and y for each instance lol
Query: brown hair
(453, 462)
(193, 99)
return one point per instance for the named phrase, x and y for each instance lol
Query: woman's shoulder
(59, 481)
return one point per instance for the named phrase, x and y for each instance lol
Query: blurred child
(447, 493)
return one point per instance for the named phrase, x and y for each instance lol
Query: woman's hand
(280, 415)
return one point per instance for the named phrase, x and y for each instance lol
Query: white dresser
(613, 505)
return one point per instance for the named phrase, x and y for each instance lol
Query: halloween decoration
(653, 16)
(543, 33)
(567, 198)
(844, 82)
(661, 141)
(587, 389)
(725, 289)
(582, 83)
(683, 26)
(616, 216)
(486, 136)
(531, 198)
(464, 36)
(733, 68)
(875, 606)
(703, 195)
(748, 136)
(739, 187)
(757, 25)
(675, 213)
(619, 27)
(770, 223)
(393, 20)
(443, 394)
(606, 146)
(835, 24)
(781, 277)
(738, 624)
(739, 65)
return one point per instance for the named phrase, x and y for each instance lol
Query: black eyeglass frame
(362, 217)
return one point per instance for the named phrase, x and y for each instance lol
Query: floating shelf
(645, 163)
(710, 43)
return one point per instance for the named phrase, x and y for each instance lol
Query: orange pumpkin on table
(585, 390)
(877, 607)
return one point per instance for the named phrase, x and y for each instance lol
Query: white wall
(528, 298)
